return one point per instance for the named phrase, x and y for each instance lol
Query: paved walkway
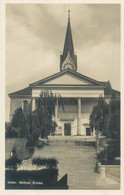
(78, 162)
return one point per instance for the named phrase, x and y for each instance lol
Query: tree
(10, 131)
(45, 112)
(19, 122)
(106, 119)
(42, 123)
(114, 125)
(33, 129)
(99, 116)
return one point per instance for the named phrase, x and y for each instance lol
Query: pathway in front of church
(79, 163)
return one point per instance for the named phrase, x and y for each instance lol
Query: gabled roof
(28, 91)
(24, 92)
(73, 73)
(106, 83)
(108, 89)
(115, 92)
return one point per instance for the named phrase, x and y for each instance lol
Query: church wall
(67, 116)
(68, 108)
(72, 118)
(74, 127)
(60, 129)
(87, 105)
(86, 109)
(17, 103)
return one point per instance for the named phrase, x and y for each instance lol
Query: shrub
(107, 156)
(13, 162)
(47, 162)
(41, 144)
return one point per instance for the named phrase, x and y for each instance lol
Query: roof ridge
(55, 74)
(63, 72)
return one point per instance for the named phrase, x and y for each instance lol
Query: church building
(79, 93)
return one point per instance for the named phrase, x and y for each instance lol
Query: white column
(56, 112)
(94, 131)
(23, 105)
(33, 104)
(79, 117)
(63, 129)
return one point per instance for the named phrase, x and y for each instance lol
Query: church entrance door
(67, 129)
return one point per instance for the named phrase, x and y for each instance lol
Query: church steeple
(68, 59)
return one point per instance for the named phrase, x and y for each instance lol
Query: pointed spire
(68, 15)
(68, 45)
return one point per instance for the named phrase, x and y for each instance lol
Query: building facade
(79, 93)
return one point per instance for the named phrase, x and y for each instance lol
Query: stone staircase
(78, 162)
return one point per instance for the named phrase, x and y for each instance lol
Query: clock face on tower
(68, 63)
(70, 66)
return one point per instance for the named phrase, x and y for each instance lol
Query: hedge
(107, 156)
(47, 162)
(46, 176)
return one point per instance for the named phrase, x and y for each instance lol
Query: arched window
(25, 106)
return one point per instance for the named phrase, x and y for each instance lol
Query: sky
(35, 35)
